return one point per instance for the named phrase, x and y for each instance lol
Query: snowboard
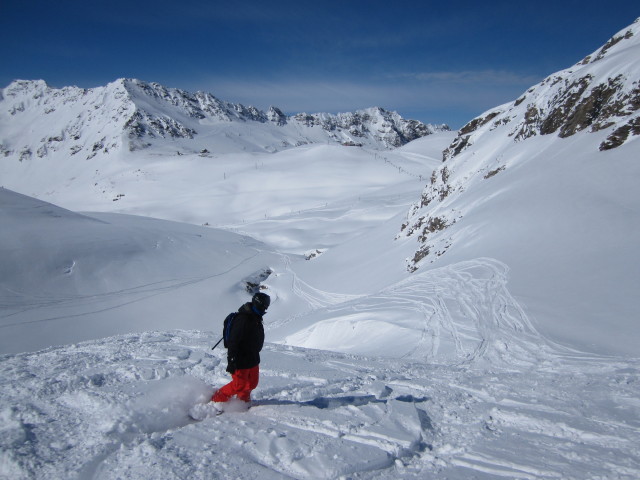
(200, 411)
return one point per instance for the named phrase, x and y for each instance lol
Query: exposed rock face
(276, 116)
(599, 97)
(602, 92)
(135, 115)
(388, 127)
(621, 134)
(462, 140)
(142, 124)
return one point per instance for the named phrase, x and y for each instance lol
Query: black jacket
(245, 339)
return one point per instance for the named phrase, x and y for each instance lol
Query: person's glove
(231, 365)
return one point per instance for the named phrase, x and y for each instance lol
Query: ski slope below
(67, 277)
(370, 372)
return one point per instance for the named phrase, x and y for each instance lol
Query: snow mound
(66, 277)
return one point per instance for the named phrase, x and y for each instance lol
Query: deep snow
(117, 408)
(441, 373)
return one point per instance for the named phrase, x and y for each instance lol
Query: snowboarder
(244, 337)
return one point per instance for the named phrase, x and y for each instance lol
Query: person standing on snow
(244, 340)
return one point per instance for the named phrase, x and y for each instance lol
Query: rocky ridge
(37, 120)
(599, 93)
(598, 97)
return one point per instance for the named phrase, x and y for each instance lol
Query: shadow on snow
(337, 402)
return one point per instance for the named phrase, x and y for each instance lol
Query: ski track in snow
(117, 408)
(466, 305)
(455, 315)
(16, 303)
(491, 400)
(315, 297)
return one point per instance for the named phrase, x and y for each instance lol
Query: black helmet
(261, 301)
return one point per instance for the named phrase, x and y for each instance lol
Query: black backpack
(226, 327)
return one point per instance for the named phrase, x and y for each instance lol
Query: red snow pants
(242, 382)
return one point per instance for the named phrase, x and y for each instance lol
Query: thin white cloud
(501, 77)
(464, 90)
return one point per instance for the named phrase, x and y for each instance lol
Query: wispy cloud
(500, 77)
(444, 97)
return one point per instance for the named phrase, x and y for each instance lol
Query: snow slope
(228, 189)
(117, 408)
(69, 277)
(540, 185)
(66, 277)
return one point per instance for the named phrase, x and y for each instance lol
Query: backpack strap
(227, 327)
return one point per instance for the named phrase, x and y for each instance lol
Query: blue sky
(439, 62)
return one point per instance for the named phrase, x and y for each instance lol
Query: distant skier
(244, 337)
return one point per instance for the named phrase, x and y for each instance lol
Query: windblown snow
(505, 350)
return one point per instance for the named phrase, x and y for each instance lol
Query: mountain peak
(598, 99)
(601, 93)
(136, 114)
(21, 87)
(615, 44)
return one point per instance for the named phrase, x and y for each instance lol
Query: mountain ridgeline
(600, 93)
(130, 115)
(592, 107)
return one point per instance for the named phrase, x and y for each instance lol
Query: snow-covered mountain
(548, 184)
(507, 349)
(601, 93)
(39, 121)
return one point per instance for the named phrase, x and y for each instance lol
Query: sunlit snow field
(369, 371)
